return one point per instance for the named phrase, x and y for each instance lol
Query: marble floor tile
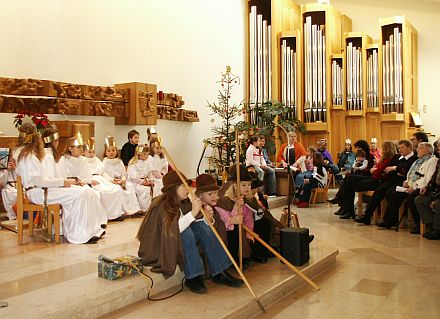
(374, 287)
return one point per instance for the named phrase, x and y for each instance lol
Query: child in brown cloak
(169, 235)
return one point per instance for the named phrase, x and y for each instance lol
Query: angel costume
(158, 168)
(137, 173)
(81, 209)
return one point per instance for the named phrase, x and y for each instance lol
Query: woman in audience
(138, 173)
(82, 211)
(359, 145)
(359, 183)
(299, 179)
(346, 158)
(318, 180)
(115, 170)
(169, 235)
(395, 175)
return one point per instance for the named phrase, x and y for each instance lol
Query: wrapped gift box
(112, 271)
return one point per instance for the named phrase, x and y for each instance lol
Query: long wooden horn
(192, 196)
(238, 194)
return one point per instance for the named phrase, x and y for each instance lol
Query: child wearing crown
(115, 171)
(137, 173)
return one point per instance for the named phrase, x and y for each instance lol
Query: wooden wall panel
(373, 127)
(355, 128)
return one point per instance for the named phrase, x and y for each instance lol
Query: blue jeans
(270, 183)
(299, 179)
(218, 261)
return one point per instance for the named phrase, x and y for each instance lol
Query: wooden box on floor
(282, 183)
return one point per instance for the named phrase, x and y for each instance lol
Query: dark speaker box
(294, 244)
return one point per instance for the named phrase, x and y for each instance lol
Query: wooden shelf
(355, 113)
(372, 110)
(393, 117)
(316, 126)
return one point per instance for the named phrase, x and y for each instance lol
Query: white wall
(425, 17)
(182, 46)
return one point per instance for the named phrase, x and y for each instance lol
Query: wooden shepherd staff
(192, 196)
(273, 251)
(238, 192)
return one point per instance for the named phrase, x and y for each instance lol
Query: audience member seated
(254, 157)
(395, 176)
(265, 151)
(360, 183)
(328, 161)
(428, 205)
(292, 154)
(299, 179)
(417, 138)
(318, 179)
(346, 158)
(359, 145)
(375, 151)
(418, 177)
(360, 165)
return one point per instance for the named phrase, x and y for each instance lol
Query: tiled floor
(378, 273)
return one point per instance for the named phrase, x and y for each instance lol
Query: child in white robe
(74, 165)
(114, 170)
(8, 179)
(137, 173)
(158, 167)
(9, 189)
(111, 194)
(81, 223)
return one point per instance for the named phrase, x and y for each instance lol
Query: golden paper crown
(110, 141)
(348, 141)
(142, 149)
(90, 144)
(77, 141)
(51, 138)
(374, 140)
(151, 130)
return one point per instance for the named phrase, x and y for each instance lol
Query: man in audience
(418, 137)
(265, 152)
(428, 205)
(418, 177)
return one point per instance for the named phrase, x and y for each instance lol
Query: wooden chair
(331, 180)
(376, 213)
(323, 192)
(25, 205)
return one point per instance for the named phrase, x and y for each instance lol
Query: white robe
(81, 208)
(137, 173)
(9, 191)
(158, 166)
(114, 168)
(111, 198)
